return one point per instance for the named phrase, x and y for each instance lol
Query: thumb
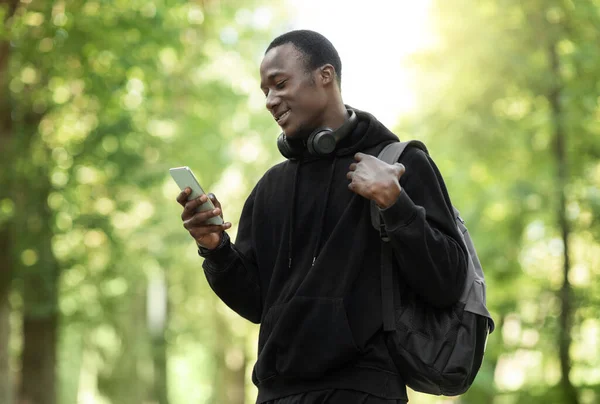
(401, 169)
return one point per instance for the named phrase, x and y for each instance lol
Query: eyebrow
(274, 74)
(271, 76)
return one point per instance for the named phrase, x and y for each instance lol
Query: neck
(336, 116)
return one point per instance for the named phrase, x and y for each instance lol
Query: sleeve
(429, 250)
(231, 270)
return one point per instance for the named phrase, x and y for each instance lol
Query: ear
(327, 74)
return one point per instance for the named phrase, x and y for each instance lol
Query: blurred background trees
(511, 90)
(100, 286)
(102, 296)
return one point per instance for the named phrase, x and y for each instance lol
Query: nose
(272, 101)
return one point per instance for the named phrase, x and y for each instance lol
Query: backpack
(437, 351)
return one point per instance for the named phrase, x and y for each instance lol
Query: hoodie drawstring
(323, 214)
(321, 221)
(292, 214)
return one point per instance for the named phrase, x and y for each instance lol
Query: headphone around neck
(321, 142)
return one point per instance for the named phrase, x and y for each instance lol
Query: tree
(102, 100)
(510, 124)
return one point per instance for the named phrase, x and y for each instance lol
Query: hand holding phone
(201, 216)
(185, 178)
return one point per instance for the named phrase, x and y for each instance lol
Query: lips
(282, 117)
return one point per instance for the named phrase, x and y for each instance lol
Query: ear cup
(283, 147)
(289, 149)
(321, 142)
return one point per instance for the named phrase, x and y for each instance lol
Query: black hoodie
(306, 266)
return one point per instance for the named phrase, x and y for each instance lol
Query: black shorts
(334, 396)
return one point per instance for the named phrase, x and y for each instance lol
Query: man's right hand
(206, 235)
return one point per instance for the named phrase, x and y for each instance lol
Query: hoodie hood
(369, 132)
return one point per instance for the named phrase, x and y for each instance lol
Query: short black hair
(318, 50)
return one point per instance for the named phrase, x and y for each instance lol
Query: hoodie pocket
(313, 337)
(304, 338)
(267, 349)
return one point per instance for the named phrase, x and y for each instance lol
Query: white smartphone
(184, 177)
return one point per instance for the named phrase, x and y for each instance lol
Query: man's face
(295, 96)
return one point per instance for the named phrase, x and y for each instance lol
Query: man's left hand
(375, 179)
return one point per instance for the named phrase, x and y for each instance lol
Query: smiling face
(296, 97)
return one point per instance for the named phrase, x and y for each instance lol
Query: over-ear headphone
(321, 142)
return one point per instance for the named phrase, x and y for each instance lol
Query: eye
(280, 85)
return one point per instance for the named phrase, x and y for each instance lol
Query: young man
(306, 262)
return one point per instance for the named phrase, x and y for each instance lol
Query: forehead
(283, 59)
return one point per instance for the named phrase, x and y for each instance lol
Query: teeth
(282, 115)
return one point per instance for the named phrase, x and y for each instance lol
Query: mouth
(282, 117)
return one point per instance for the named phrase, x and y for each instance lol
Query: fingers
(189, 208)
(359, 156)
(198, 228)
(351, 169)
(182, 197)
(196, 222)
(215, 201)
(199, 218)
(401, 169)
(200, 232)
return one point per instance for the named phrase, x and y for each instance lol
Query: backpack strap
(387, 285)
(390, 154)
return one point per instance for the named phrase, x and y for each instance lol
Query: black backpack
(436, 351)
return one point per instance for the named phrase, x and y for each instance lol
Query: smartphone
(184, 177)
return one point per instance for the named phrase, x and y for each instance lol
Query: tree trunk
(159, 356)
(5, 277)
(39, 360)
(157, 311)
(32, 222)
(565, 295)
(6, 243)
(6, 264)
(230, 375)
(40, 297)
(129, 381)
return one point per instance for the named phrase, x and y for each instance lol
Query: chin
(292, 132)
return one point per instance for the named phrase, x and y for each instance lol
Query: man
(306, 262)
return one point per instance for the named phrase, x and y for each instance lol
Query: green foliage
(106, 96)
(491, 126)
